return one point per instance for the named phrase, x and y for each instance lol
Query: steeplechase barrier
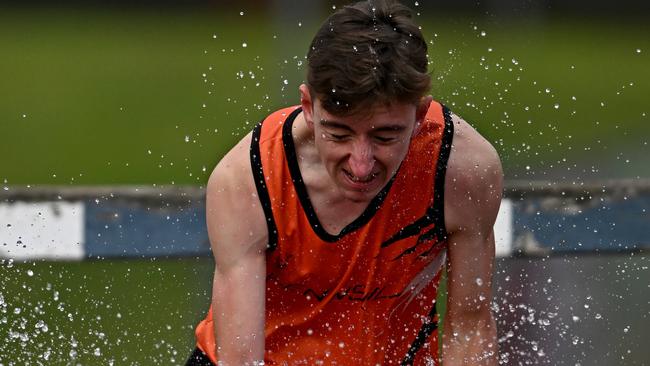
(75, 223)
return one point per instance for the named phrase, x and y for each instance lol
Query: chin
(359, 197)
(358, 194)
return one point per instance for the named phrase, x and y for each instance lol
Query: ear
(421, 112)
(307, 104)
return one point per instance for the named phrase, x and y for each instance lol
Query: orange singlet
(367, 295)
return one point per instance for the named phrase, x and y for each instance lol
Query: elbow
(471, 317)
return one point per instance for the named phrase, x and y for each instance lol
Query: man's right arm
(238, 236)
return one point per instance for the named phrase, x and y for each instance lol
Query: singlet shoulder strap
(267, 128)
(438, 206)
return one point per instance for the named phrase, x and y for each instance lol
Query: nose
(362, 159)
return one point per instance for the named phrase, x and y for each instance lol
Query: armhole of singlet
(441, 231)
(441, 170)
(260, 184)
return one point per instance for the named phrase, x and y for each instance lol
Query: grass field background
(142, 97)
(135, 97)
(130, 312)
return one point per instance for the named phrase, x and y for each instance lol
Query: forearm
(470, 341)
(238, 306)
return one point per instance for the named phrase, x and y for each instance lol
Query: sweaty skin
(341, 179)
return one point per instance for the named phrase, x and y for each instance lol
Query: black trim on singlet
(435, 214)
(260, 184)
(424, 333)
(301, 189)
(438, 208)
(198, 358)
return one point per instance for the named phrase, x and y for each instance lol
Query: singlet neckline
(301, 190)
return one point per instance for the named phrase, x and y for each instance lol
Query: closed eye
(336, 137)
(385, 139)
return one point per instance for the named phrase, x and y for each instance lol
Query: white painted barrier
(42, 230)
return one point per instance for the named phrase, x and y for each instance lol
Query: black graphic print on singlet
(353, 293)
(436, 232)
(423, 334)
(429, 235)
(435, 214)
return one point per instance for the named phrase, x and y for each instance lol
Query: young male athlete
(331, 222)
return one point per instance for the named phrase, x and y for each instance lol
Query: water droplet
(244, 45)
(30, 273)
(479, 281)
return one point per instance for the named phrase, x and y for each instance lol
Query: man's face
(362, 153)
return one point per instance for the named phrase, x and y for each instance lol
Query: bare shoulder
(235, 219)
(474, 179)
(233, 170)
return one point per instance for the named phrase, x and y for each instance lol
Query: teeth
(359, 180)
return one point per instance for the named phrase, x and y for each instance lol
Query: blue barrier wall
(536, 218)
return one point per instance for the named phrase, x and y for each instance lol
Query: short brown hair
(365, 54)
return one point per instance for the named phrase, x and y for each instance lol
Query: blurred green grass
(131, 312)
(136, 97)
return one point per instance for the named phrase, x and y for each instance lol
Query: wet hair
(367, 54)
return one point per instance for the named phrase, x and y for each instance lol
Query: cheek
(329, 153)
(394, 155)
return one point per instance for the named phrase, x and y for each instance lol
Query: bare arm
(473, 189)
(238, 236)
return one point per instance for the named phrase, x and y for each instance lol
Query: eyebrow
(342, 126)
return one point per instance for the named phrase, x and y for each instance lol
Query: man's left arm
(473, 190)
